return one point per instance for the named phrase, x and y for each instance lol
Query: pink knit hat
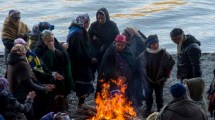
(120, 38)
(20, 41)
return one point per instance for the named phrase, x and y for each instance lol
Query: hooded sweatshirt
(105, 33)
(182, 109)
(196, 88)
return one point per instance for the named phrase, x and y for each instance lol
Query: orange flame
(113, 107)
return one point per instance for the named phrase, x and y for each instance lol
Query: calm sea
(196, 17)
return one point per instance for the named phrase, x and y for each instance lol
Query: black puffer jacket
(189, 65)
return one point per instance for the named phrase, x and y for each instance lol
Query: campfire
(113, 104)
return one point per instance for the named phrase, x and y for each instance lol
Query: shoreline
(207, 65)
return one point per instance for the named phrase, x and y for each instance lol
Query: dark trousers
(158, 94)
(137, 92)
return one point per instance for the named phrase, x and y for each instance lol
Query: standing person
(34, 35)
(181, 107)
(155, 65)
(54, 59)
(81, 57)
(189, 54)
(117, 63)
(137, 44)
(12, 28)
(102, 33)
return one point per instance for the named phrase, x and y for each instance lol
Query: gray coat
(182, 109)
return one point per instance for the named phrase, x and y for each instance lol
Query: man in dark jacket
(102, 33)
(189, 54)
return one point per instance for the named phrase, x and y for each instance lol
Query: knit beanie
(177, 90)
(120, 38)
(19, 41)
(176, 32)
(13, 12)
(151, 39)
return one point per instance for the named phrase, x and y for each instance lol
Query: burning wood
(113, 105)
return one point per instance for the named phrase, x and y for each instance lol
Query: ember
(113, 105)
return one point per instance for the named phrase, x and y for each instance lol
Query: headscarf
(11, 29)
(14, 13)
(45, 26)
(131, 31)
(81, 19)
(35, 30)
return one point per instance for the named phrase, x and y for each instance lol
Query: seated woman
(117, 63)
(20, 76)
(42, 99)
(10, 108)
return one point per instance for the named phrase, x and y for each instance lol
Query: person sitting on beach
(189, 54)
(55, 59)
(155, 65)
(12, 28)
(37, 29)
(137, 44)
(102, 33)
(81, 56)
(196, 87)
(42, 99)
(21, 78)
(181, 107)
(10, 108)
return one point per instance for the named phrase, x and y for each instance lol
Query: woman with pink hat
(117, 63)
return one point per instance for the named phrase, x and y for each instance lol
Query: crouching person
(181, 107)
(21, 78)
(195, 87)
(10, 108)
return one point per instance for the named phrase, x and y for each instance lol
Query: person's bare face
(101, 19)
(154, 46)
(177, 39)
(120, 46)
(49, 40)
(86, 24)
